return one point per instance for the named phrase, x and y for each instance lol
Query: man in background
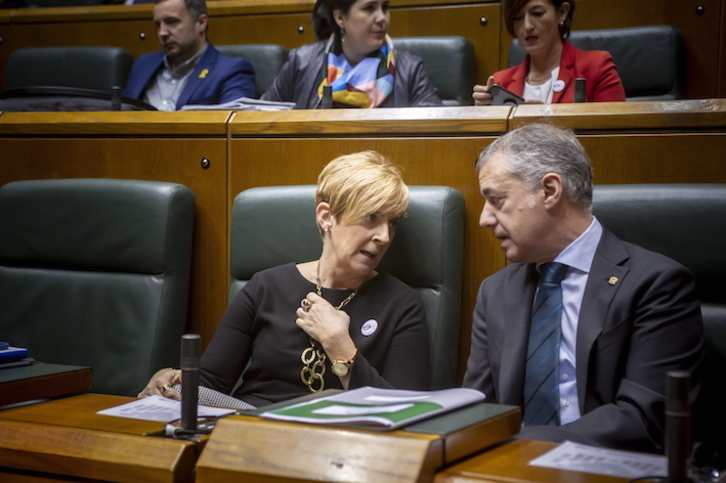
(581, 329)
(189, 70)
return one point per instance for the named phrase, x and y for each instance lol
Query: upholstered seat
(449, 61)
(650, 59)
(426, 253)
(97, 68)
(684, 222)
(267, 59)
(95, 272)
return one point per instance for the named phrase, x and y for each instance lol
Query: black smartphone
(503, 97)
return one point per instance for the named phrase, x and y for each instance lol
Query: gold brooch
(613, 280)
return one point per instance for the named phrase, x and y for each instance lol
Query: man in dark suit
(626, 316)
(189, 70)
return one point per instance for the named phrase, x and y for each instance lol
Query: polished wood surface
(509, 463)
(42, 381)
(66, 439)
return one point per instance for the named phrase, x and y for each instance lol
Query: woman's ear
(339, 18)
(564, 11)
(323, 215)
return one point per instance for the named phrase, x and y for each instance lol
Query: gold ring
(306, 304)
(164, 388)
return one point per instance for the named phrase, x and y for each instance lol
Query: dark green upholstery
(686, 222)
(267, 59)
(449, 61)
(95, 272)
(650, 59)
(98, 68)
(276, 225)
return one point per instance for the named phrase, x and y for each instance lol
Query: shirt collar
(580, 253)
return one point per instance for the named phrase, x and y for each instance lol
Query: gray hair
(537, 149)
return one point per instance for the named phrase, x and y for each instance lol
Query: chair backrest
(267, 59)
(686, 222)
(426, 253)
(98, 68)
(95, 272)
(449, 61)
(650, 59)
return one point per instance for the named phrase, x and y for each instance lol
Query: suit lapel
(603, 283)
(567, 65)
(202, 72)
(517, 310)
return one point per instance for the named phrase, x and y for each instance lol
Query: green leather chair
(267, 59)
(97, 68)
(650, 59)
(427, 253)
(686, 222)
(95, 272)
(449, 62)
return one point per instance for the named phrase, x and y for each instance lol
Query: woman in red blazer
(549, 70)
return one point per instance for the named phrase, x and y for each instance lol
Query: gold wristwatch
(341, 367)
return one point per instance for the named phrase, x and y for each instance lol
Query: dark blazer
(299, 79)
(226, 79)
(631, 332)
(596, 66)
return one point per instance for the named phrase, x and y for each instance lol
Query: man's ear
(552, 189)
(202, 23)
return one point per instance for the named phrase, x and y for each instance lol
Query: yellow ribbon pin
(203, 73)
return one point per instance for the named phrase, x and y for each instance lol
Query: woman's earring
(342, 34)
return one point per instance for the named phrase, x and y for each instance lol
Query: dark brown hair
(513, 7)
(323, 22)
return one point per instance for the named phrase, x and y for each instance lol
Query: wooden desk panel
(66, 439)
(509, 463)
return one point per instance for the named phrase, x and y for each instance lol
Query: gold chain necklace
(314, 357)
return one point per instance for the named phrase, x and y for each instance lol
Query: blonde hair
(359, 184)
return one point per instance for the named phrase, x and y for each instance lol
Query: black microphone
(678, 425)
(190, 381)
(580, 95)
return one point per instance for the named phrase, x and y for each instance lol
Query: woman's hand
(161, 384)
(481, 93)
(327, 325)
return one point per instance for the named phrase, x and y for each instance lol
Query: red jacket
(603, 82)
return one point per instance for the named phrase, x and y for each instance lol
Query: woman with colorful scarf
(357, 58)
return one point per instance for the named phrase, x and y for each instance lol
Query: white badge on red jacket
(558, 86)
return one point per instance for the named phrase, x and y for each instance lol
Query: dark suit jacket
(630, 334)
(596, 66)
(226, 79)
(299, 79)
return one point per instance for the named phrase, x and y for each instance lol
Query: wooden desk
(42, 381)
(251, 449)
(509, 463)
(66, 439)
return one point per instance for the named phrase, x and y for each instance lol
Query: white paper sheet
(590, 459)
(162, 409)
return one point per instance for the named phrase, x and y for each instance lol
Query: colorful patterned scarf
(365, 85)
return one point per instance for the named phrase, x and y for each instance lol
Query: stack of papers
(242, 104)
(376, 409)
(162, 409)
